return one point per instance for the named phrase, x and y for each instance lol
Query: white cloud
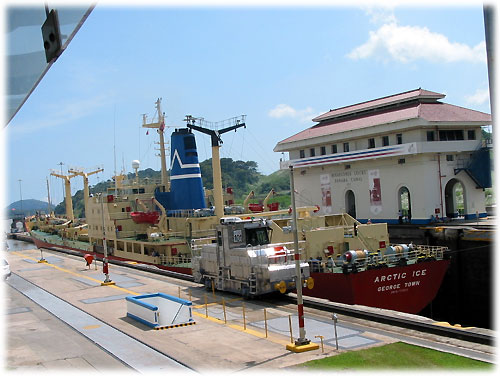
(380, 14)
(286, 111)
(481, 96)
(409, 43)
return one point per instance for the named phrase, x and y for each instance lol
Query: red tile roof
(426, 108)
(385, 101)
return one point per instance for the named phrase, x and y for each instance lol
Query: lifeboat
(256, 208)
(273, 206)
(145, 217)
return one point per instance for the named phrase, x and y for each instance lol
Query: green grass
(397, 356)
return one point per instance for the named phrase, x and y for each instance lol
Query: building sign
(326, 193)
(375, 191)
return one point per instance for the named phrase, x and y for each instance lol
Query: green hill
(26, 207)
(242, 176)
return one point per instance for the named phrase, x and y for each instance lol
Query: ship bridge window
(256, 236)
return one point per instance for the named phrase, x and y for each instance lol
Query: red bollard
(88, 258)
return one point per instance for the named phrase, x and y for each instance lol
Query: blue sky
(280, 66)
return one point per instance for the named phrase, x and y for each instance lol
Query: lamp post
(302, 343)
(105, 266)
(21, 196)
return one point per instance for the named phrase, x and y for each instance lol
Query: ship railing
(175, 260)
(419, 253)
(376, 259)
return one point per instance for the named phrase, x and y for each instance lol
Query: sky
(279, 65)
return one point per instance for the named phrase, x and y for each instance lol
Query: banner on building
(326, 193)
(375, 191)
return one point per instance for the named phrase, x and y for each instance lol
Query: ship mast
(48, 198)
(67, 188)
(160, 125)
(85, 185)
(234, 123)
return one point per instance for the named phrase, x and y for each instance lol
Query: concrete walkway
(130, 351)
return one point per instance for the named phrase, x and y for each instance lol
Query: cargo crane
(67, 189)
(215, 133)
(85, 175)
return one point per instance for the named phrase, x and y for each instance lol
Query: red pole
(298, 283)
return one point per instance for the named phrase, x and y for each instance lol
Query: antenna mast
(160, 125)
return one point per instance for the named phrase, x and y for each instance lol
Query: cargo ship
(156, 223)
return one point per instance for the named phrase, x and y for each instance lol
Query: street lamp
(21, 195)
(105, 266)
(302, 343)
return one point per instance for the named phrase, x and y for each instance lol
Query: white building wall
(419, 173)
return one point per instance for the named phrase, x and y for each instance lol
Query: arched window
(404, 205)
(350, 203)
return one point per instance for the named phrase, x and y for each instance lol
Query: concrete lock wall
(159, 310)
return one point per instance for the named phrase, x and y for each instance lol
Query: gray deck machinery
(241, 260)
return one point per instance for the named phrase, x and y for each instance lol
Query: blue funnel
(186, 187)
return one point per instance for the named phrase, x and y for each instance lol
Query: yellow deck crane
(215, 134)
(85, 184)
(67, 189)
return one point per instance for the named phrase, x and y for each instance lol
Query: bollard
(224, 309)
(206, 306)
(334, 318)
(179, 287)
(190, 296)
(244, 320)
(265, 320)
(321, 338)
(290, 324)
(213, 289)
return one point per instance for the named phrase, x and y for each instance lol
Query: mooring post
(265, 320)
(206, 306)
(244, 320)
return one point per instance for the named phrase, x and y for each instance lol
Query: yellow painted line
(242, 329)
(91, 326)
(76, 274)
(199, 306)
(456, 326)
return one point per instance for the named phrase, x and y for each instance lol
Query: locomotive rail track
(381, 317)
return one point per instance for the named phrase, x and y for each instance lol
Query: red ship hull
(42, 244)
(401, 288)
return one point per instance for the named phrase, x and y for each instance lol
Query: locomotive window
(257, 236)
